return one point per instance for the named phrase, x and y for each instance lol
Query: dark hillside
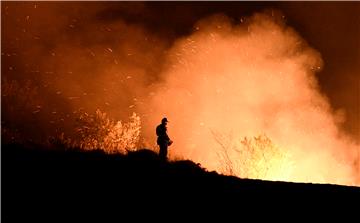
(37, 182)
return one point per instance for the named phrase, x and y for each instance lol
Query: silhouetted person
(163, 139)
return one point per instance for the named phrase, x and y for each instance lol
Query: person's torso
(161, 131)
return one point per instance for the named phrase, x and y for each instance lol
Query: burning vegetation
(98, 131)
(99, 84)
(253, 158)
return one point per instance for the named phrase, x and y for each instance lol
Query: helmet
(164, 120)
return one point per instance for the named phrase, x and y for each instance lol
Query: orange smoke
(226, 81)
(255, 77)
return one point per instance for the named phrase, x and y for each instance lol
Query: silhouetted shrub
(98, 131)
(256, 158)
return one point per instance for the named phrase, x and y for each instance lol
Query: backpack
(158, 130)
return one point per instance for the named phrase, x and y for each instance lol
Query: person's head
(164, 121)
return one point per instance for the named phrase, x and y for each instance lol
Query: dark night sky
(332, 28)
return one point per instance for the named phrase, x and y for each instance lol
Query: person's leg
(163, 152)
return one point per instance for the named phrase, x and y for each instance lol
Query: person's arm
(166, 135)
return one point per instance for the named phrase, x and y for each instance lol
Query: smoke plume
(249, 77)
(242, 77)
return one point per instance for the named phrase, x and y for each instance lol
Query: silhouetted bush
(98, 131)
(255, 158)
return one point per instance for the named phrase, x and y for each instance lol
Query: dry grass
(256, 158)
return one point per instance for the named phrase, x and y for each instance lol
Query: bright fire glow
(244, 80)
(241, 96)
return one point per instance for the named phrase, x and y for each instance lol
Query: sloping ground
(39, 182)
